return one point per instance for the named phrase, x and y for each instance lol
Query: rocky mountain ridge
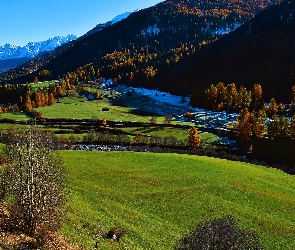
(32, 49)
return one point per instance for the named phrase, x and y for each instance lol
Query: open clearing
(158, 198)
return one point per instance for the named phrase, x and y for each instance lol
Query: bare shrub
(33, 179)
(219, 234)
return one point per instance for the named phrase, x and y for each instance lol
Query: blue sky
(23, 21)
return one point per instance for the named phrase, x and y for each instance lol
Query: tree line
(256, 118)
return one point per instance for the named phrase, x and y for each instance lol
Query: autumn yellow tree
(230, 96)
(28, 104)
(51, 100)
(194, 139)
(256, 97)
(210, 97)
(243, 124)
(272, 108)
(38, 99)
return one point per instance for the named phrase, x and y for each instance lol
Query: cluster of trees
(224, 8)
(16, 97)
(253, 124)
(252, 121)
(221, 97)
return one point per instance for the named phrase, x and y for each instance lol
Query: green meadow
(80, 108)
(158, 198)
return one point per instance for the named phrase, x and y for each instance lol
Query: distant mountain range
(12, 55)
(179, 44)
(32, 49)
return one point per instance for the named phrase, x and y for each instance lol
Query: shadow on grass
(141, 112)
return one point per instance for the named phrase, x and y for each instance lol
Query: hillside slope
(158, 198)
(136, 48)
(260, 51)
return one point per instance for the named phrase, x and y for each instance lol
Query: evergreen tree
(259, 127)
(274, 127)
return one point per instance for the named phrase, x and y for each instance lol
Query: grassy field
(79, 107)
(158, 198)
(18, 116)
(39, 85)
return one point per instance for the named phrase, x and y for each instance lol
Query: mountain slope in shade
(101, 26)
(12, 63)
(260, 51)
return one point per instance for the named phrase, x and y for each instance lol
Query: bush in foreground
(219, 234)
(33, 181)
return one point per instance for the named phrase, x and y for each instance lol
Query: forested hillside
(259, 52)
(141, 46)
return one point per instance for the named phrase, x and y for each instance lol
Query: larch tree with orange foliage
(51, 100)
(244, 124)
(272, 107)
(257, 102)
(28, 104)
(194, 139)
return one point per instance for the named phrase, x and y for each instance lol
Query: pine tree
(259, 127)
(285, 127)
(242, 99)
(274, 127)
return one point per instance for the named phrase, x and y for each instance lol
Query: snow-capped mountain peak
(121, 17)
(116, 19)
(32, 49)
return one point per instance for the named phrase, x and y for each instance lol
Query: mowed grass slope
(80, 108)
(158, 198)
